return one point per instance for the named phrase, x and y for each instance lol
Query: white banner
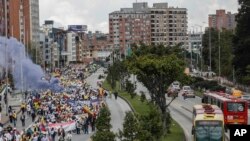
(67, 126)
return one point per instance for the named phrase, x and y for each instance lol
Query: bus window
(209, 130)
(235, 107)
(213, 101)
(218, 103)
(209, 100)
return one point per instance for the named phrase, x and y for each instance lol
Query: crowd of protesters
(56, 115)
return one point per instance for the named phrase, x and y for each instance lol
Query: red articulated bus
(235, 110)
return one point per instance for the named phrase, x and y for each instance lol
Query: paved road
(181, 110)
(117, 107)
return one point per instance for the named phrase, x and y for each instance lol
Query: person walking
(23, 107)
(116, 94)
(61, 132)
(69, 136)
(86, 126)
(52, 134)
(33, 115)
(14, 115)
(22, 118)
(78, 127)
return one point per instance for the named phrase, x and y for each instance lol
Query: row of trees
(234, 47)
(226, 51)
(146, 127)
(242, 43)
(156, 67)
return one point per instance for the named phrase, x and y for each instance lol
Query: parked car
(187, 92)
(247, 98)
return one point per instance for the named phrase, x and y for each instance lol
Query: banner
(77, 27)
(67, 126)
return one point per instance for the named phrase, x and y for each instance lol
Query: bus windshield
(209, 131)
(235, 107)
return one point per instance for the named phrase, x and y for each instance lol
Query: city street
(117, 107)
(181, 110)
(192, 55)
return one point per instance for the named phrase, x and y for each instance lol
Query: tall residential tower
(156, 25)
(22, 19)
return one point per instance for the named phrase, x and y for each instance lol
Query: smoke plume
(12, 56)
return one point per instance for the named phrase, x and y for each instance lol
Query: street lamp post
(210, 49)
(6, 57)
(219, 55)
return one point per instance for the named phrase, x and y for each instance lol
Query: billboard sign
(77, 27)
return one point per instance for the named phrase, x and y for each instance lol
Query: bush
(132, 95)
(143, 96)
(197, 79)
(210, 85)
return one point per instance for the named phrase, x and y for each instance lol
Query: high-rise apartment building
(159, 24)
(222, 20)
(2, 20)
(130, 25)
(22, 19)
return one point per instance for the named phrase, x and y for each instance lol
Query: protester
(22, 118)
(116, 94)
(58, 113)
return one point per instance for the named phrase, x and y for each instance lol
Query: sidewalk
(15, 101)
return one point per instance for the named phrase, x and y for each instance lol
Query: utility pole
(219, 55)
(6, 53)
(210, 61)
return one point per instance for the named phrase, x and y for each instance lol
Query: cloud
(94, 13)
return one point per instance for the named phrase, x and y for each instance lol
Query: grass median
(141, 108)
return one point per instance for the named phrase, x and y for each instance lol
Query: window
(235, 107)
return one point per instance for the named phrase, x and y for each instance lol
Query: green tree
(103, 127)
(130, 88)
(103, 136)
(226, 51)
(131, 128)
(157, 67)
(152, 123)
(117, 72)
(143, 96)
(103, 121)
(226, 43)
(242, 41)
(214, 48)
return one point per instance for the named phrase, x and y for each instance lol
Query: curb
(131, 107)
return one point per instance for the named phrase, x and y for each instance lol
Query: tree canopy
(226, 51)
(157, 67)
(103, 127)
(242, 41)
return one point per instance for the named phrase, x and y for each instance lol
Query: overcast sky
(94, 13)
